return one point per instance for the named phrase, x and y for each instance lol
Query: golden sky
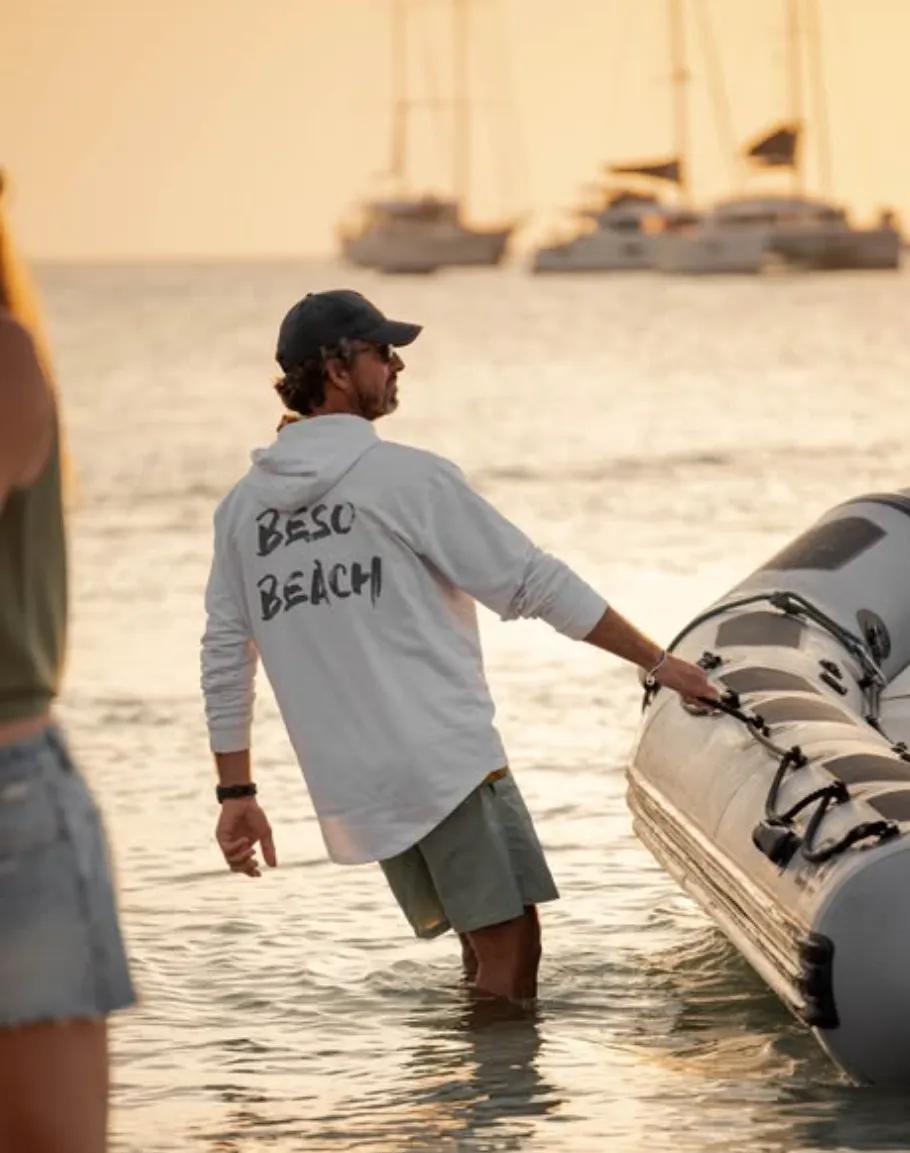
(218, 128)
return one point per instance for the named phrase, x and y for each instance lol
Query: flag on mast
(670, 170)
(775, 149)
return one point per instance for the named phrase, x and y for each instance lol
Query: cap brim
(395, 332)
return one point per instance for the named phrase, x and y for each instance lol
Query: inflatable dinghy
(786, 813)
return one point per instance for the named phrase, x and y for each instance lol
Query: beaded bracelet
(650, 682)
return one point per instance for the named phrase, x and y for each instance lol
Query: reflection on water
(663, 437)
(470, 1079)
(723, 1021)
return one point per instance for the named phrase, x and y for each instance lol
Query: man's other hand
(241, 826)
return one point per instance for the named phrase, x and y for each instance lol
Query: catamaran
(750, 232)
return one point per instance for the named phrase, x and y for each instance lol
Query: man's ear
(337, 373)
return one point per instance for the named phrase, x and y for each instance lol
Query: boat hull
(598, 252)
(420, 249)
(709, 252)
(837, 249)
(827, 926)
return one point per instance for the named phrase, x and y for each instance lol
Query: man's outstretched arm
(482, 552)
(616, 635)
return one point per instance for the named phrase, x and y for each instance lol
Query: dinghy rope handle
(794, 604)
(774, 835)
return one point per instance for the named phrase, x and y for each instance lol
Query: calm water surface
(664, 437)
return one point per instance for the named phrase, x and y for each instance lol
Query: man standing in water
(350, 566)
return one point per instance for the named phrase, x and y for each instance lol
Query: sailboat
(637, 230)
(745, 233)
(693, 242)
(620, 233)
(408, 233)
(803, 231)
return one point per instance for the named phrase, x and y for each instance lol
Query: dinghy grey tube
(786, 816)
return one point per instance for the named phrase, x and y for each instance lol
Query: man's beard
(382, 405)
(391, 395)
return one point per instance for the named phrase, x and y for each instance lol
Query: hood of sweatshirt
(308, 458)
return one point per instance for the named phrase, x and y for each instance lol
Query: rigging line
(619, 72)
(461, 82)
(430, 75)
(399, 59)
(485, 128)
(680, 83)
(513, 174)
(795, 90)
(819, 93)
(718, 90)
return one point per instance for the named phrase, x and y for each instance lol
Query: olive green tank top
(32, 594)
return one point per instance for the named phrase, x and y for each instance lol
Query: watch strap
(234, 792)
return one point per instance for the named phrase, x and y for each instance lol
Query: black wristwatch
(233, 792)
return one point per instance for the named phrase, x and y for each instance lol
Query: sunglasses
(385, 352)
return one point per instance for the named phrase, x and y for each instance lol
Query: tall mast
(399, 60)
(718, 91)
(461, 143)
(796, 91)
(679, 77)
(813, 35)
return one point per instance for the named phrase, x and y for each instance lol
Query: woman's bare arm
(26, 409)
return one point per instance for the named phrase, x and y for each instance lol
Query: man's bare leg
(508, 957)
(468, 958)
(54, 1087)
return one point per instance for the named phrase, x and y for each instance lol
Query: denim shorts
(480, 866)
(61, 953)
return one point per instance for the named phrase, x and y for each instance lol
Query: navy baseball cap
(322, 319)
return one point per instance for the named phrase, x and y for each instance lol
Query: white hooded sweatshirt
(350, 565)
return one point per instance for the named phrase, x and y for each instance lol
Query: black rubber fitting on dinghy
(730, 704)
(832, 675)
(816, 961)
(875, 633)
(777, 841)
(773, 835)
(839, 688)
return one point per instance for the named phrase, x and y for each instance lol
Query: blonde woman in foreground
(62, 963)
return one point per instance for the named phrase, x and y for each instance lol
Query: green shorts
(480, 866)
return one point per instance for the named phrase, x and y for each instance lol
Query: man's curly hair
(302, 388)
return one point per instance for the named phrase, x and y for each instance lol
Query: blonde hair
(20, 297)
